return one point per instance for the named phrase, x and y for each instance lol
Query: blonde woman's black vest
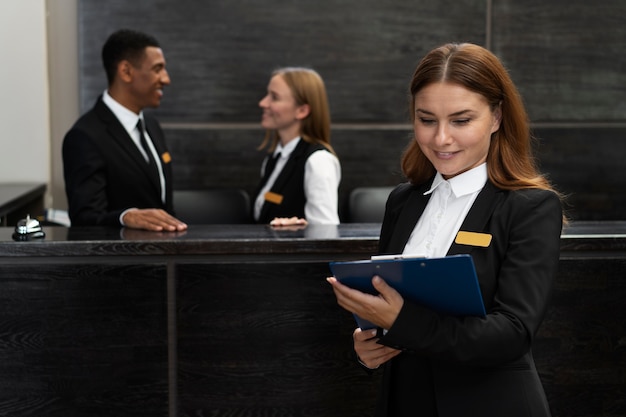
(290, 185)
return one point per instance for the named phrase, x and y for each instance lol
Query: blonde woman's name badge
(273, 197)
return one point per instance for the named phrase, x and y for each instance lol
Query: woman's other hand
(371, 354)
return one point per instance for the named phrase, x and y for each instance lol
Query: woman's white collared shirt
(446, 210)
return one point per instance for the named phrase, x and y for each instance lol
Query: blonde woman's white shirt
(322, 174)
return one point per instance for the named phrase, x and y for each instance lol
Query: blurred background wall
(568, 59)
(24, 92)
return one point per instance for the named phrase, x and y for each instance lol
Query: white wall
(38, 91)
(62, 31)
(24, 115)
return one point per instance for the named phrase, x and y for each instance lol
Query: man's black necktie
(144, 144)
(269, 168)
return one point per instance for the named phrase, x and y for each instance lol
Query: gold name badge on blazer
(273, 197)
(166, 157)
(473, 239)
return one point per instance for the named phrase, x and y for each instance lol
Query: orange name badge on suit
(166, 157)
(273, 197)
(482, 240)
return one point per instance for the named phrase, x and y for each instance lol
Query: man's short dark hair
(125, 44)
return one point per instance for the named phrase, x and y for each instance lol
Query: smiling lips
(445, 155)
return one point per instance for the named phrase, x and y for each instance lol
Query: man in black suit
(117, 167)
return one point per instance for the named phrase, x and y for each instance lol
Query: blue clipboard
(448, 285)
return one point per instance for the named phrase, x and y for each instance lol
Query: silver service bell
(27, 229)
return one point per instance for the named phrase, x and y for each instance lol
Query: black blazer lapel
(121, 137)
(285, 174)
(159, 145)
(116, 131)
(408, 215)
(290, 165)
(156, 134)
(478, 215)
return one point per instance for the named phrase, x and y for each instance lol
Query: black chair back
(367, 204)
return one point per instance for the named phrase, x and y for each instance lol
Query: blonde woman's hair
(308, 88)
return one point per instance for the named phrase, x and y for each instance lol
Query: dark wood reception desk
(238, 320)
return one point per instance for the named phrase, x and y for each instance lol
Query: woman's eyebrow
(455, 114)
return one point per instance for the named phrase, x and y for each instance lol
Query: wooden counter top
(588, 239)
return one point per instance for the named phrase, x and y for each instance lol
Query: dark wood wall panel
(229, 158)
(587, 165)
(567, 58)
(209, 158)
(221, 53)
(83, 340)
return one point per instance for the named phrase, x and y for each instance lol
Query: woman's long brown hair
(510, 161)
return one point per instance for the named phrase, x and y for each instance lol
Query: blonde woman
(301, 174)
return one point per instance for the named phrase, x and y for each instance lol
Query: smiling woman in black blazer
(470, 169)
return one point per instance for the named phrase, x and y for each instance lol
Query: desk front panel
(86, 339)
(266, 339)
